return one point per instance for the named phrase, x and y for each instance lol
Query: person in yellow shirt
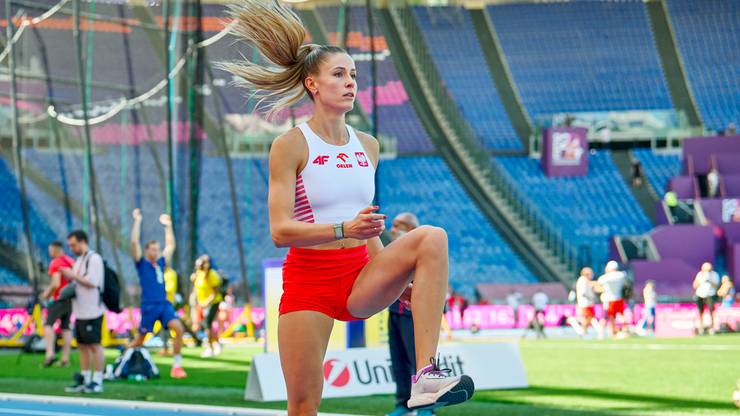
(207, 294)
(170, 287)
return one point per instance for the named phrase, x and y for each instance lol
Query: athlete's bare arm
(288, 156)
(136, 235)
(169, 237)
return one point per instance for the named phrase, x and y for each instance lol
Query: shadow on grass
(649, 401)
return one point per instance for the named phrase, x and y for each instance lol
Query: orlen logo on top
(344, 165)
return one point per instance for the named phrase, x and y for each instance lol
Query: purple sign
(699, 151)
(733, 260)
(730, 186)
(673, 276)
(565, 151)
(727, 163)
(684, 186)
(693, 244)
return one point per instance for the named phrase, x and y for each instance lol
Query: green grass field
(567, 377)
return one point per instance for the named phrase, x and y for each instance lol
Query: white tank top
(337, 182)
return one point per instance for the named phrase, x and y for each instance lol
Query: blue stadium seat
(426, 187)
(581, 56)
(707, 33)
(658, 167)
(586, 210)
(453, 44)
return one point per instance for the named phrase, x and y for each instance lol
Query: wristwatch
(339, 230)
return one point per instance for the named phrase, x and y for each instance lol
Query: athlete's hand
(165, 220)
(136, 214)
(366, 225)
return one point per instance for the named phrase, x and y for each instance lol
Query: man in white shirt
(705, 285)
(513, 299)
(611, 285)
(88, 275)
(585, 300)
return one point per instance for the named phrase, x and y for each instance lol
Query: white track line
(11, 411)
(130, 404)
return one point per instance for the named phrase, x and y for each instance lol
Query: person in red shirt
(56, 309)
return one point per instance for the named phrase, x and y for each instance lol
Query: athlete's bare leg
(422, 251)
(303, 337)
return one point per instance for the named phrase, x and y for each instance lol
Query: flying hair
(278, 34)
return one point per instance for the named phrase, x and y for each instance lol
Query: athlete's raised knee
(434, 238)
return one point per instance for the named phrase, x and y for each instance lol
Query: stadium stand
(587, 210)
(707, 33)
(581, 56)
(478, 254)
(396, 116)
(454, 47)
(659, 168)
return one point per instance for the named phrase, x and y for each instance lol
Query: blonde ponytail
(279, 35)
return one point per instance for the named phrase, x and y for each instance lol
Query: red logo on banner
(336, 373)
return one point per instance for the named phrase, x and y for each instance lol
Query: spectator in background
(207, 293)
(649, 296)
(585, 301)
(151, 263)
(539, 301)
(637, 173)
(730, 130)
(514, 299)
(611, 285)
(712, 183)
(174, 298)
(479, 299)
(225, 307)
(457, 301)
(726, 292)
(401, 331)
(705, 285)
(57, 310)
(670, 199)
(88, 275)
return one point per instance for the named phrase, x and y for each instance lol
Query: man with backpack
(150, 265)
(88, 276)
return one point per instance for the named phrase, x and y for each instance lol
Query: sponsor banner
(367, 371)
(376, 328)
(564, 151)
(12, 319)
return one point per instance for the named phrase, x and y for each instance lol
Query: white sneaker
(216, 349)
(207, 353)
(93, 388)
(433, 387)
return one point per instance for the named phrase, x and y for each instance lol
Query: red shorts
(321, 280)
(614, 308)
(587, 312)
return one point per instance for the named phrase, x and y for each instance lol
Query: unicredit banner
(565, 151)
(367, 371)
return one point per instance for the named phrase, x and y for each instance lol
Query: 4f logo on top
(343, 158)
(321, 160)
